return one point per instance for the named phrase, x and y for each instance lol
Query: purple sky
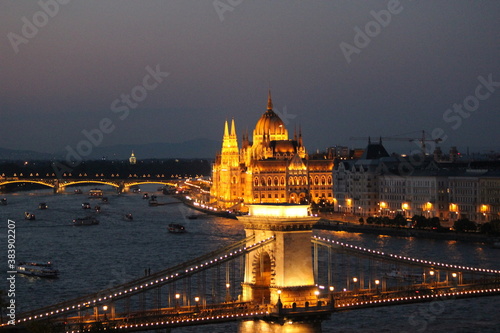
(63, 79)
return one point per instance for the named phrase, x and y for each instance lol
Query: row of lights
(359, 248)
(186, 321)
(151, 283)
(412, 298)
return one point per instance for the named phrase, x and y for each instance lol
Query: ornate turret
(132, 159)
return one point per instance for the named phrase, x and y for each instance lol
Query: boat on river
(88, 220)
(95, 194)
(128, 217)
(176, 228)
(29, 216)
(40, 269)
(3, 202)
(42, 205)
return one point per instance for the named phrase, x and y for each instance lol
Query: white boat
(41, 269)
(89, 220)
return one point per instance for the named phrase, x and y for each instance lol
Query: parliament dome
(270, 124)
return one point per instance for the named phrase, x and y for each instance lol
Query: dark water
(115, 251)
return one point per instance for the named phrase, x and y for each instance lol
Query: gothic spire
(269, 101)
(226, 129)
(233, 128)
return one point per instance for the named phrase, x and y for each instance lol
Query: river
(115, 251)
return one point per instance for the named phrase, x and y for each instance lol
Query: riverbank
(205, 209)
(327, 224)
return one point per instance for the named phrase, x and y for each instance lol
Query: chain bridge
(279, 273)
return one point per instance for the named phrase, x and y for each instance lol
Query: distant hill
(11, 154)
(196, 148)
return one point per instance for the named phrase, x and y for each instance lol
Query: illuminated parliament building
(269, 169)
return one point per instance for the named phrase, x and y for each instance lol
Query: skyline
(145, 72)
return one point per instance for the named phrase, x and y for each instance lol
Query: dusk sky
(337, 69)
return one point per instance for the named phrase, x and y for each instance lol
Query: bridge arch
(88, 182)
(150, 182)
(263, 269)
(51, 185)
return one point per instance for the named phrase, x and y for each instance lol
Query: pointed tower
(226, 171)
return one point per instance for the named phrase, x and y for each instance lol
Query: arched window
(305, 180)
(323, 180)
(282, 181)
(316, 180)
(329, 180)
(290, 181)
(269, 181)
(256, 181)
(276, 181)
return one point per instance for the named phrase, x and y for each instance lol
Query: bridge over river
(278, 273)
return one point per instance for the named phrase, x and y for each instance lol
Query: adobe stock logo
(30, 28)
(372, 29)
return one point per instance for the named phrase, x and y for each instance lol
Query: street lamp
(354, 280)
(177, 296)
(197, 300)
(105, 308)
(228, 297)
(377, 282)
(332, 300)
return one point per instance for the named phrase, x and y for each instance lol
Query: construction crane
(422, 140)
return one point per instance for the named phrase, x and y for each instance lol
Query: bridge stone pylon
(281, 271)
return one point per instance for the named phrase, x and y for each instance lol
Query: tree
(434, 223)
(399, 220)
(464, 225)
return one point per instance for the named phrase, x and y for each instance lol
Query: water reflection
(289, 327)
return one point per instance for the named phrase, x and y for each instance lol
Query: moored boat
(86, 205)
(43, 205)
(78, 191)
(176, 228)
(128, 217)
(40, 269)
(88, 220)
(3, 202)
